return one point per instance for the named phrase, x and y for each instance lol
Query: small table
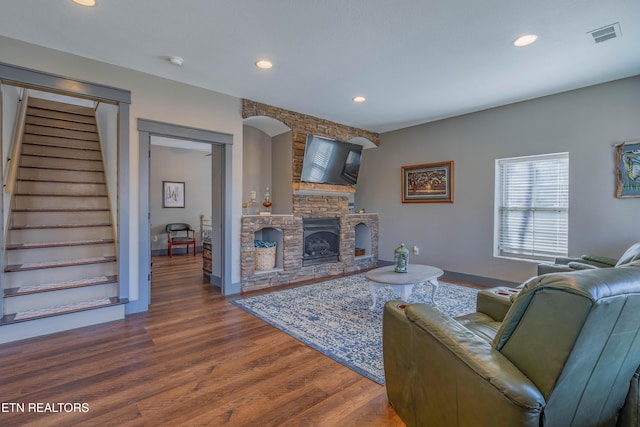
(403, 283)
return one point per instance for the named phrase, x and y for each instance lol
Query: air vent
(606, 33)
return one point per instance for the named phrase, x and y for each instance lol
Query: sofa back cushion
(631, 256)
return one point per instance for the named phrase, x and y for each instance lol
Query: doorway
(220, 191)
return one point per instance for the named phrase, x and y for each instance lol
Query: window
(532, 207)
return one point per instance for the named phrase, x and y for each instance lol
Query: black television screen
(328, 161)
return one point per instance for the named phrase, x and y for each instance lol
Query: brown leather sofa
(564, 354)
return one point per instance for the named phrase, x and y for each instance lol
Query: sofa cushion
(480, 324)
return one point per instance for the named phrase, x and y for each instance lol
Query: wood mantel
(329, 188)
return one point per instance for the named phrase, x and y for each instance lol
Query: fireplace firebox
(321, 240)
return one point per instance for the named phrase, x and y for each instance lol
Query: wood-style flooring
(193, 359)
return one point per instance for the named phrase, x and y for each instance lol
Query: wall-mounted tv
(328, 161)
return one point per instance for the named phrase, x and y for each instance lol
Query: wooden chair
(180, 234)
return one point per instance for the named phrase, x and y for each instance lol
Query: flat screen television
(327, 161)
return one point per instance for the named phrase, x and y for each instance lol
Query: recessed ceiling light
(264, 64)
(89, 3)
(359, 99)
(525, 40)
(176, 60)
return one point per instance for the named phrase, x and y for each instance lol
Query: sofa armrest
(582, 266)
(437, 370)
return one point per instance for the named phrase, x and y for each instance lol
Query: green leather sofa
(565, 354)
(586, 262)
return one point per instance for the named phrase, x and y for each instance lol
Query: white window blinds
(532, 206)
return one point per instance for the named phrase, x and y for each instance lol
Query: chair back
(577, 337)
(631, 256)
(178, 226)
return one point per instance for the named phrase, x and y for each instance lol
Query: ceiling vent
(606, 33)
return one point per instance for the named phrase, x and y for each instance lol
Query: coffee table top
(415, 273)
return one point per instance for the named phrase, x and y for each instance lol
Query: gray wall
(458, 237)
(256, 165)
(176, 164)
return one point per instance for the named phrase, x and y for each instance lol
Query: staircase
(61, 256)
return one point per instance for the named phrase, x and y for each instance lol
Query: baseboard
(469, 278)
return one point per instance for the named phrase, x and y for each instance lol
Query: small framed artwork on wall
(628, 170)
(428, 183)
(172, 194)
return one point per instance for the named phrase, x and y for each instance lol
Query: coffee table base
(403, 290)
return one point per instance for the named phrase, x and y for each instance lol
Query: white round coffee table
(403, 283)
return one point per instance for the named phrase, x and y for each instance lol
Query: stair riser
(71, 164)
(70, 153)
(60, 297)
(39, 327)
(65, 133)
(60, 175)
(72, 189)
(60, 142)
(56, 218)
(68, 253)
(61, 202)
(60, 274)
(59, 235)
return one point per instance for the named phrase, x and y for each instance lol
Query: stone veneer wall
(291, 246)
(301, 125)
(289, 268)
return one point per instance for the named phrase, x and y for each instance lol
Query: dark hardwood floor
(193, 359)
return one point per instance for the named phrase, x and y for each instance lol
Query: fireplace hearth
(321, 240)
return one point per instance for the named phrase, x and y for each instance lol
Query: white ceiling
(415, 60)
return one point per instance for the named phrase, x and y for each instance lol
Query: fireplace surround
(321, 240)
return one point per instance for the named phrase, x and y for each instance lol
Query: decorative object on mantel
(267, 202)
(246, 206)
(628, 170)
(401, 258)
(265, 254)
(428, 183)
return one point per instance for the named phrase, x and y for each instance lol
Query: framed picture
(628, 170)
(172, 194)
(428, 183)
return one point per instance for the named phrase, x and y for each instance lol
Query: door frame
(147, 129)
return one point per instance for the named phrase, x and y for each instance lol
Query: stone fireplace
(321, 240)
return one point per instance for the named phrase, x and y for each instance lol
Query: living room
(588, 121)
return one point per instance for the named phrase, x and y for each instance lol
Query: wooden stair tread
(60, 106)
(28, 266)
(59, 195)
(60, 310)
(59, 123)
(60, 182)
(48, 156)
(56, 210)
(47, 226)
(45, 245)
(62, 168)
(57, 286)
(60, 115)
(66, 147)
(35, 129)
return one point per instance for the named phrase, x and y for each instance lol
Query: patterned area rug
(334, 316)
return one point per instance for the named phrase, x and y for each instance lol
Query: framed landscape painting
(428, 183)
(172, 194)
(628, 170)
